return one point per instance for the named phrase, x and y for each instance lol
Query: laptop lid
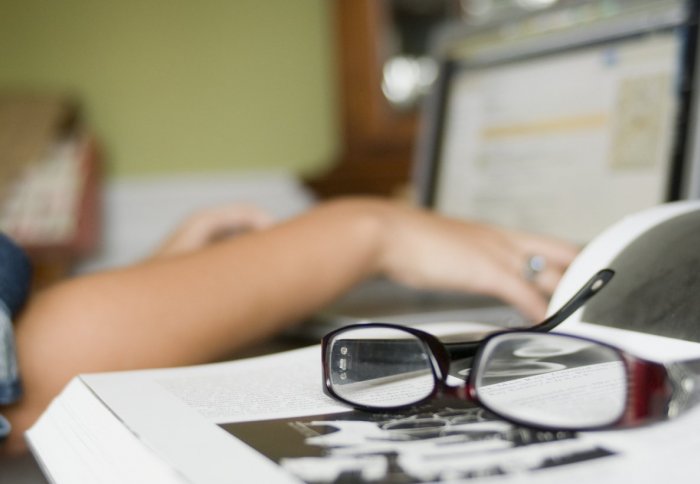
(564, 121)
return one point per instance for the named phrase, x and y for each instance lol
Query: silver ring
(533, 266)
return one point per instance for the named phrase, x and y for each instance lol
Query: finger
(522, 295)
(557, 252)
(214, 224)
(528, 295)
(236, 216)
(548, 279)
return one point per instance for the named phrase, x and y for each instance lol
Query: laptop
(558, 122)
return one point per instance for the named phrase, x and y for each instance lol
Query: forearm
(203, 304)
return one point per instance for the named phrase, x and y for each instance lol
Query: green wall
(184, 85)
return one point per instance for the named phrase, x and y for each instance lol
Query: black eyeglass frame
(656, 391)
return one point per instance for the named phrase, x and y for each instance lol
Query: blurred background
(117, 119)
(183, 87)
(200, 90)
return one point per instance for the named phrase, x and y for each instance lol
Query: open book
(266, 419)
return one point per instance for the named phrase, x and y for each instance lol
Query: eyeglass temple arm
(590, 289)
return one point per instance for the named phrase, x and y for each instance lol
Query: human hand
(426, 250)
(209, 225)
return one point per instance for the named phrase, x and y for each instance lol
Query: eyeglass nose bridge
(458, 392)
(440, 358)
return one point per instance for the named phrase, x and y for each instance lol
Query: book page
(260, 388)
(268, 417)
(177, 412)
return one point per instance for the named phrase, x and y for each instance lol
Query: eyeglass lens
(379, 367)
(552, 380)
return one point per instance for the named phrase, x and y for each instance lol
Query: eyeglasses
(525, 376)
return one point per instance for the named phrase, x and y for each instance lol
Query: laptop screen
(564, 129)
